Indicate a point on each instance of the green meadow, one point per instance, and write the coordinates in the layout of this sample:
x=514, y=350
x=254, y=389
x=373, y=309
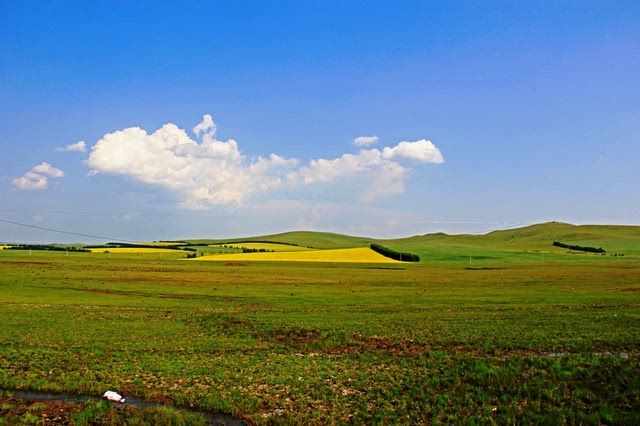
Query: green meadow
x=491, y=329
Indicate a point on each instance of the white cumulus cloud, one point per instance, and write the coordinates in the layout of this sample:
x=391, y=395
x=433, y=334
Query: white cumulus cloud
x=365, y=140
x=48, y=170
x=210, y=172
x=78, y=146
x=384, y=177
x=38, y=177
x=422, y=151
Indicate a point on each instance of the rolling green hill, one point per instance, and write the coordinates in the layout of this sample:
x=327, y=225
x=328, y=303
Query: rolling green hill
x=318, y=240
x=517, y=244
x=523, y=242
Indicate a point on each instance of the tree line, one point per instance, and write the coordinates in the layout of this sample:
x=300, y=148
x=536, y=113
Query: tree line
x=396, y=255
x=127, y=245
x=579, y=248
x=259, y=241
x=46, y=247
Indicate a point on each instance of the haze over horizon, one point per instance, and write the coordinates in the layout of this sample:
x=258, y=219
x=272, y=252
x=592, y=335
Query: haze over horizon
x=144, y=121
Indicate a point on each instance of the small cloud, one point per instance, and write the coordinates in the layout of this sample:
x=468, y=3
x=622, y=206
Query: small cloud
x=207, y=126
x=31, y=182
x=422, y=151
x=37, y=218
x=365, y=140
x=36, y=178
x=48, y=169
x=78, y=146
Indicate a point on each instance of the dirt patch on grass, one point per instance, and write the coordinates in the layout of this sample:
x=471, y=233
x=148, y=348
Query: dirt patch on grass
x=196, y=296
x=381, y=267
x=380, y=344
x=235, y=264
x=22, y=262
x=297, y=337
x=160, y=295
x=115, y=292
x=160, y=399
x=483, y=269
x=632, y=289
x=312, y=341
x=49, y=412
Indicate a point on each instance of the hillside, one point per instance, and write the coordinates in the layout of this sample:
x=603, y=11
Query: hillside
x=516, y=242
x=519, y=242
x=318, y=240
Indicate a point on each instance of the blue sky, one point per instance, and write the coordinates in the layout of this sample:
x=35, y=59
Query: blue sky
x=487, y=115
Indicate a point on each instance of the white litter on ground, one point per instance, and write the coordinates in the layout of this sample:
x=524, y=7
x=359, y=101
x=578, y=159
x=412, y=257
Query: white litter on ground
x=113, y=396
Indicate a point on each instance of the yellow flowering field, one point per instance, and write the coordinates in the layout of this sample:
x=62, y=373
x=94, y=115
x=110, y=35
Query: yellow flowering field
x=350, y=255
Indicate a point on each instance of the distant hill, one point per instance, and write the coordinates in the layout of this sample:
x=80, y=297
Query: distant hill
x=615, y=239
x=318, y=240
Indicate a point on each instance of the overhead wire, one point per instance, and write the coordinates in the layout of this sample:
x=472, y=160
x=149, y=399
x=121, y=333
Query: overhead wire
x=100, y=237
x=66, y=232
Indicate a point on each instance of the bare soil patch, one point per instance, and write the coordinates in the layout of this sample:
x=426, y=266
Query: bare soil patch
x=50, y=412
x=380, y=344
x=483, y=269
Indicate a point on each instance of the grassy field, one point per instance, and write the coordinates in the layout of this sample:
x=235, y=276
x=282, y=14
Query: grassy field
x=506, y=338
x=269, y=247
x=316, y=240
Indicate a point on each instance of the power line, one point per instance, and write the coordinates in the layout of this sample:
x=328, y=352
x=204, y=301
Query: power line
x=66, y=232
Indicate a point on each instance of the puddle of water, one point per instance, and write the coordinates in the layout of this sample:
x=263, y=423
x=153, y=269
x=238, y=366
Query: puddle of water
x=217, y=419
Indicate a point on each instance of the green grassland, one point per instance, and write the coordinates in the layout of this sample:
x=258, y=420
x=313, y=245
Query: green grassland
x=506, y=338
x=517, y=244
x=535, y=238
x=317, y=240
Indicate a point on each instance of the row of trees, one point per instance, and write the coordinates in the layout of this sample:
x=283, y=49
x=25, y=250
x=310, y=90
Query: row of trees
x=260, y=241
x=127, y=245
x=46, y=247
x=579, y=248
x=255, y=250
x=396, y=255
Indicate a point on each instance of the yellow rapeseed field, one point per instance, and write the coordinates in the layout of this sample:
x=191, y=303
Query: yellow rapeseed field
x=4, y=247
x=124, y=250
x=266, y=246
x=350, y=255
